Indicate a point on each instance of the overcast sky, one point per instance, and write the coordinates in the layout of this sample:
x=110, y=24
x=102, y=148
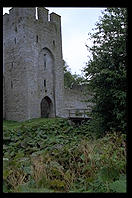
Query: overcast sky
x=76, y=24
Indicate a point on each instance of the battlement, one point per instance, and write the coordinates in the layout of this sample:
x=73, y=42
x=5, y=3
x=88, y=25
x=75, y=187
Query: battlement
x=5, y=19
x=22, y=12
x=17, y=14
x=55, y=17
x=43, y=16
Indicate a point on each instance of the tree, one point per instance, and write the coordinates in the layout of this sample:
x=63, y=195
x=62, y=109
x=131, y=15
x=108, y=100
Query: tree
x=106, y=70
x=69, y=78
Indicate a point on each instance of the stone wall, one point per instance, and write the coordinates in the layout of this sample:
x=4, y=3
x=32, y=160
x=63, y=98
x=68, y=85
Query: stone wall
x=3, y=98
x=16, y=100
x=33, y=66
x=26, y=40
x=75, y=99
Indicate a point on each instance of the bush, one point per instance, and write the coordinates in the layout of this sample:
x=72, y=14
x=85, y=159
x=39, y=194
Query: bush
x=53, y=156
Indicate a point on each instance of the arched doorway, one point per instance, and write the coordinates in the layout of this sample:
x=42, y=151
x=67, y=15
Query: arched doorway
x=46, y=107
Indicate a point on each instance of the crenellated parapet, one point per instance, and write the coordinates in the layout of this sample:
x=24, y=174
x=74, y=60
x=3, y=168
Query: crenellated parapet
x=17, y=14
x=22, y=12
x=42, y=14
x=55, y=18
x=5, y=19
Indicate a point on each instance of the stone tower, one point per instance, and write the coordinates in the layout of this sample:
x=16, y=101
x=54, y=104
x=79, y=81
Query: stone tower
x=33, y=70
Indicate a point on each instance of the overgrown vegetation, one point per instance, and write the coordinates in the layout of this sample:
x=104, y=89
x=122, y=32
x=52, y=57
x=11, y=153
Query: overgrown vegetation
x=106, y=70
x=50, y=155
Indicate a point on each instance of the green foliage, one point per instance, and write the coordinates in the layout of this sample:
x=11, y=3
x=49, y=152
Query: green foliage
x=109, y=174
x=119, y=185
x=106, y=70
x=49, y=155
x=71, y=79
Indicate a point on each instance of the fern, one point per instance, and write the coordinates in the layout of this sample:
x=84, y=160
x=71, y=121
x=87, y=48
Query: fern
x=119, y=185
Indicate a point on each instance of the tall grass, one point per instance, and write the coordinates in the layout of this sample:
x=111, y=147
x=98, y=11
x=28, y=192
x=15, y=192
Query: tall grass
x=49, y=155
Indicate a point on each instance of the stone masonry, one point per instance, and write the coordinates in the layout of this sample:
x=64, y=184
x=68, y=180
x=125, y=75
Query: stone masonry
x=33, y=78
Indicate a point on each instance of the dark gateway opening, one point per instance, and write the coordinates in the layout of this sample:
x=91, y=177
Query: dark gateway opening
x=46, y=105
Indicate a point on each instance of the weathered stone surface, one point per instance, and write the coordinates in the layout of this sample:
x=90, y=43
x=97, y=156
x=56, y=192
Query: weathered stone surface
x=75, y=99
x=33, y=69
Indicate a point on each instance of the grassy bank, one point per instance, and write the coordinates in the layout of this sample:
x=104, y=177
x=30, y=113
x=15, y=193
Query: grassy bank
x=50, y=155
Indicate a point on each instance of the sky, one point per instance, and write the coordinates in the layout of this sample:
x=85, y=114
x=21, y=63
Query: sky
x=76, y=24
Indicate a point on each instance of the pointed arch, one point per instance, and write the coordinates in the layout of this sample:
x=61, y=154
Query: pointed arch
x=46, y=107
x=46, y=49
x=46, y=60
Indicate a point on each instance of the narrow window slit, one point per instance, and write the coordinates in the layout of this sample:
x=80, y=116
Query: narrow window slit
x=37, y=38
x=11, y=84
x=53, y=43
x=44, y=61
x=44, y=83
